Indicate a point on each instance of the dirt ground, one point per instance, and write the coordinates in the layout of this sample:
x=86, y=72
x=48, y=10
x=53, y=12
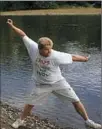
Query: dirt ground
x=64, y=11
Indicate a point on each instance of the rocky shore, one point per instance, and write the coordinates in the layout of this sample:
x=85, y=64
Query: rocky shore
x=9, y=114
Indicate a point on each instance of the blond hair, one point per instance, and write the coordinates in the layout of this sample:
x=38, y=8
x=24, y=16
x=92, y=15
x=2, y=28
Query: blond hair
x=47, y=42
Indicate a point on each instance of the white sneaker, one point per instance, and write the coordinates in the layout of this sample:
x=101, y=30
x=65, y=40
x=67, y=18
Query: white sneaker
x=92, y=124
x=18, y=123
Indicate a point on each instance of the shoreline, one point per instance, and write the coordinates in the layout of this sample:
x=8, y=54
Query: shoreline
x=62, y=11
x=9, y=114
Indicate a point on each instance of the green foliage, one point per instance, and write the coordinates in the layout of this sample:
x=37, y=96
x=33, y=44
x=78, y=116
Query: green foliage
x=24, y=5
x=44, y=4
x=97, y=4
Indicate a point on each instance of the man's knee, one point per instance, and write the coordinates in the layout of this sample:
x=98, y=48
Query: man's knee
x=29, y=106
x=76, y=103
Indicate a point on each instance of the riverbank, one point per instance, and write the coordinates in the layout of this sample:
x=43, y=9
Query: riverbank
x=63, y=11
x=9, y=114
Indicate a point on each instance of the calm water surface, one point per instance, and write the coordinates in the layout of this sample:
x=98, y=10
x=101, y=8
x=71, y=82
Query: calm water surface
x=71, y=34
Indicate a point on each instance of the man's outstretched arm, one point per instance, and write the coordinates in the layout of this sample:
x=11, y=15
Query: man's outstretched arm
x=17, y=30
x=80, y=58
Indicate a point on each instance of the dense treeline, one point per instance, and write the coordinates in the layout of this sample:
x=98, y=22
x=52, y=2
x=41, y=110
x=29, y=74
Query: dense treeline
x=24, y=5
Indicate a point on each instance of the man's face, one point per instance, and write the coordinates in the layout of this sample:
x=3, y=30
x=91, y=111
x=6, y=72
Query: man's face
x=45, y=52
x=44, y=48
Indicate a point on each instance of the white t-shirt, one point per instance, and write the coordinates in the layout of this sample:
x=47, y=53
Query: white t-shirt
x=46, y=69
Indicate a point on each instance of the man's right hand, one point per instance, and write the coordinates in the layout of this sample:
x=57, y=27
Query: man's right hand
x=16, y=29
x=10, y=22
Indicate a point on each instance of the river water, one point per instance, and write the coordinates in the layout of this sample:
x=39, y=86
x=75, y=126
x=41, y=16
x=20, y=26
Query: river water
x=79, y=34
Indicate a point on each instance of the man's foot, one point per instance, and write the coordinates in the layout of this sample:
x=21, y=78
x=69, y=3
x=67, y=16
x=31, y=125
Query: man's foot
x=92, y=124
x=18, y=123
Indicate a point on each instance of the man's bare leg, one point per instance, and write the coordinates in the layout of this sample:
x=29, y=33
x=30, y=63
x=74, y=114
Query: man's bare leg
x=26, y=111
x=81, y=110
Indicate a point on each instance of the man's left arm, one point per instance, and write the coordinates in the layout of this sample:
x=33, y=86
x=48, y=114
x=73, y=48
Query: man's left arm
x=80, y=58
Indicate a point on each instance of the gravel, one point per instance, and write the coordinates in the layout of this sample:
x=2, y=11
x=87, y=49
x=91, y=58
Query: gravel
x=9, y=114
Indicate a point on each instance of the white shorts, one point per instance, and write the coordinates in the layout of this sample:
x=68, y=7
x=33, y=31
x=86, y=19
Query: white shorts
x=61, y=89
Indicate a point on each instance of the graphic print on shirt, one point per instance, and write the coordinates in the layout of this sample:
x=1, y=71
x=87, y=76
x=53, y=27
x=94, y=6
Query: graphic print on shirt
x=42, y=67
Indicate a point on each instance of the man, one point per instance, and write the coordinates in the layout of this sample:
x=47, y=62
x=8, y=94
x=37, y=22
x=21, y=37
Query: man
x=47, y=76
